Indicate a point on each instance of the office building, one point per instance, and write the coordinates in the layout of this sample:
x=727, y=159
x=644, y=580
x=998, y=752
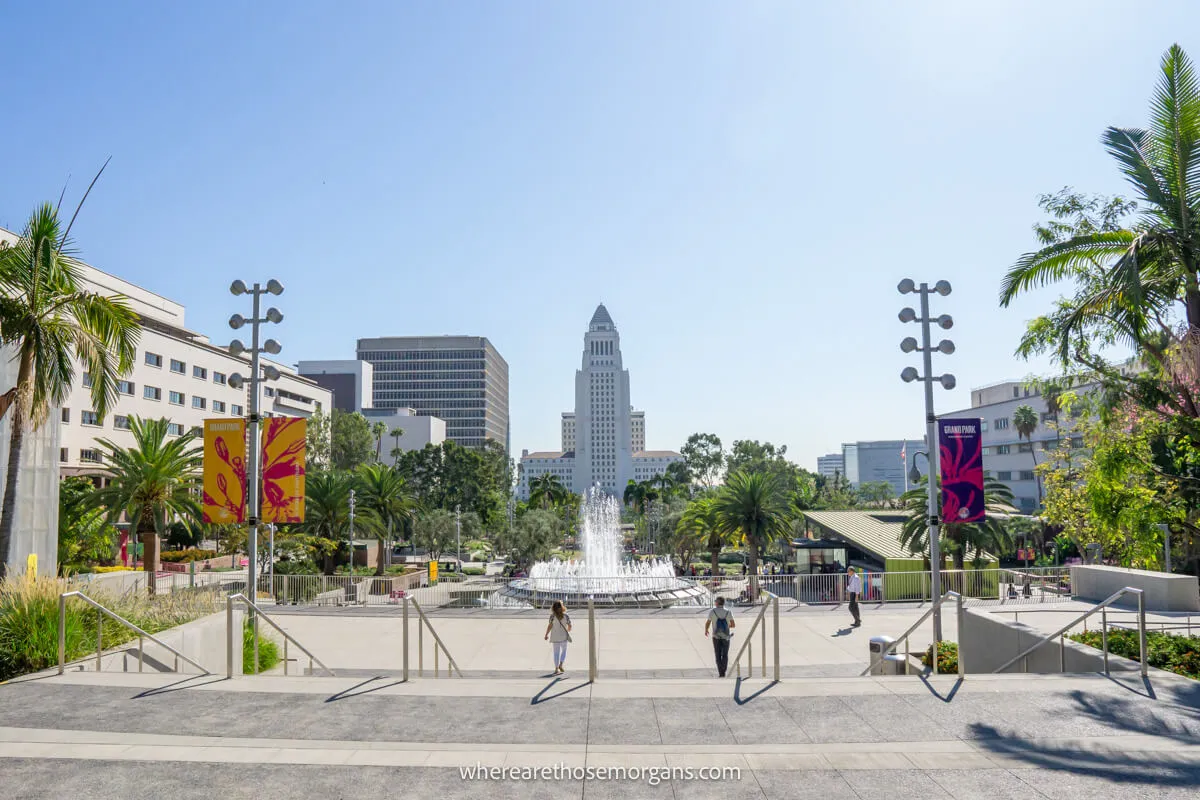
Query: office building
x=460, y=379
x=416, y=430
x=876, y=461
x=349, y=380
x=830, y=465
x=604, y=438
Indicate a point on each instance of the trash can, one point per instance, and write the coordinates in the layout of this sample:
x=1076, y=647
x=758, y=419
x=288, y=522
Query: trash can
x=877, y=646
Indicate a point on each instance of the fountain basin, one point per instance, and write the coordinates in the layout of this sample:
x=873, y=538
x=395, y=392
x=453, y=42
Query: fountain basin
x=607, y=593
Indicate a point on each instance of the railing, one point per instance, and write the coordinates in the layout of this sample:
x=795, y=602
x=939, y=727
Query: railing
x=760, y=624
x=422, y=623
x=258, y=614
x=891, y=648
x=101, y=613
x=1101, y=607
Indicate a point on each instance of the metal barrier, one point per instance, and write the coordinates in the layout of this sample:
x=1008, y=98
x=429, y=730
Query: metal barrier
x=760, y=625
x=102, y=612
x=437, y=643
x=891, y=648
x=1060, y=634
x=287, y=637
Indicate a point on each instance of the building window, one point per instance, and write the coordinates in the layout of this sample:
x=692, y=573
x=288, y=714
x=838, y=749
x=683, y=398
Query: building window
x=1025, y=447
x=269, y=392
x=87, y=380
x=983, y=426
x=1076, y=442
x=121, y=422
x=152, y=393
x=197, y=430
x=174, y=429
x=178, y=366
x=200, y=372
x=90, y=456
x=89, y=418
x=66, y=415
x=125, y=387
x=1003, y=449
x=153, y=360
x=198, y=402
x=175, y=398
x=1002, y=424
x=236, y=410
x=1004, y=475
x=219, y=407
x=219, y=377
x=1026, y=475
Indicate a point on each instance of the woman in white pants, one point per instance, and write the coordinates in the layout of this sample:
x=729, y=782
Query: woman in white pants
x=558, y=632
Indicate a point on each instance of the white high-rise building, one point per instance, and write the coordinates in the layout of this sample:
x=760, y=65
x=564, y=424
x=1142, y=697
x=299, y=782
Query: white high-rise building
x=603, y=439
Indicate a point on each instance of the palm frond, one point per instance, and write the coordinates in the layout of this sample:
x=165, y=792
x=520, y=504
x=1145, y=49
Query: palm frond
x=1063, y=260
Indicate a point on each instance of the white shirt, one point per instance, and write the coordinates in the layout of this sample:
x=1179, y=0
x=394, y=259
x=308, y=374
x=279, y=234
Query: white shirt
x=854, y=584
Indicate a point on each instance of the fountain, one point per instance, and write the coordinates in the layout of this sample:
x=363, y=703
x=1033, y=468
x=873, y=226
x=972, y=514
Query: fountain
x=602, y=575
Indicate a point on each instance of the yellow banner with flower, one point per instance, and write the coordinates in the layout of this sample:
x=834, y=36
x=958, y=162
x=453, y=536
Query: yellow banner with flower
x=283, y=457
x=224, y=470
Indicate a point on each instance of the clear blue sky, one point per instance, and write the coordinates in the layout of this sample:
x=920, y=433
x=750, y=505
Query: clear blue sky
x=743, y=184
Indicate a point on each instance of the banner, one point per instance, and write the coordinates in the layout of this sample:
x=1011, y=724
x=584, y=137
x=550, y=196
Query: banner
x=224, y=470
x=960, y=448
x=283, y=455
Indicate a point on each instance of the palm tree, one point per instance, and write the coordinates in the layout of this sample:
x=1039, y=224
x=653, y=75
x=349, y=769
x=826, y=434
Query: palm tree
x=1131, y=280
x=396, y=434
x=327, y=513
x=383, y=491
x=546, y=491
x=665, y=484
x=52, y=323
x=700, y=517
x=1025, y=420
x=988, y=535
x=379, y=430
x=754, y=506
x=152, y=483
x=639, y=493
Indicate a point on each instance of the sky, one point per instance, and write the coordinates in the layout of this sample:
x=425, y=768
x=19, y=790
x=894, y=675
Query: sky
x=742, y=184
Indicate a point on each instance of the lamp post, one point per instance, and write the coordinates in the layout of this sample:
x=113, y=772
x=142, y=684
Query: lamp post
x=458, y=538
x=256, y=377
x=910, y=374
x=350, y=534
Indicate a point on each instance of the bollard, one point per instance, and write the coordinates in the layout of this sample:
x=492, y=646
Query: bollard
x=62, y=634
x=775, y=615
x=404, y=637
x=592, y=666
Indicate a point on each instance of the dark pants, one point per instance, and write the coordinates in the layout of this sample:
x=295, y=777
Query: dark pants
x=721, y=650
x=854, y=608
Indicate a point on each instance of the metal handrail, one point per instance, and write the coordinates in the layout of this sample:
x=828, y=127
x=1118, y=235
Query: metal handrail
x=62, y=635
x=287, y=637
x=1102, y=607
x=748, y=643
x=887, y=651
x=421, y=618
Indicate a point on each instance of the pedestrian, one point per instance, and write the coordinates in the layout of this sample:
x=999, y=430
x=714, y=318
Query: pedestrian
x=854, y=589
x=558, y=632
x=720, y=620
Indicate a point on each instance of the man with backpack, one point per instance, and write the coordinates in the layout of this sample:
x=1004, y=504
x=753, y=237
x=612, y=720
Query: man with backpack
x=720, y=620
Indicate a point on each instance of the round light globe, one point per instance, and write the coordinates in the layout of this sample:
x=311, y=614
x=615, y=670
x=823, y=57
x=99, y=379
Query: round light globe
x=909, y=344
x=906, y=286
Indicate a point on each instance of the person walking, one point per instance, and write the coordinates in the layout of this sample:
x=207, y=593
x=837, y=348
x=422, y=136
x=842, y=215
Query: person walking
x=720, y=621
x=853, y=590
x=558, y=632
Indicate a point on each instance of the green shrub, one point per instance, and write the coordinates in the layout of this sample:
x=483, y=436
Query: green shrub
x=947, y=657
x=1178, y=654
x=186, y=556
x=296, y=568
x=473, y=570
x=268, y=651
x=118, y=568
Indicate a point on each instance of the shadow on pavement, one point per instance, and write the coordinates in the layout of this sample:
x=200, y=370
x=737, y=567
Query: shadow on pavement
x=737, y=692
x=346, y=694
x=181, y=685
x=1171, y=713
x=542, y=697
x=949, y=696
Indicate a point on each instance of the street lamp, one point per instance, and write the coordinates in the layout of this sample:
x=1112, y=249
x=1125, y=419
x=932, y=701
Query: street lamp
x=458, y=538
x=910, y=374
x=256, y=377
x=351, y=535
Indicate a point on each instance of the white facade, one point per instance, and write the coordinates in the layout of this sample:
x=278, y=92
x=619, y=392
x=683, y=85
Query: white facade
x=351, y=381
x=419, y=431
x=603, y=439
x=830, y=465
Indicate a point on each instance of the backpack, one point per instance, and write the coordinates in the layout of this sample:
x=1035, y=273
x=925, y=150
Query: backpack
x=721, y=629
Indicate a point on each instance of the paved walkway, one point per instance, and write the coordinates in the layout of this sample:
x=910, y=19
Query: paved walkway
x=132, y=736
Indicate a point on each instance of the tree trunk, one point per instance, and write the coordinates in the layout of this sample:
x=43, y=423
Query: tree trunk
x=150, y=561
x=379, y=554
x=753, y=587
x=8, y=508
x=716, y=562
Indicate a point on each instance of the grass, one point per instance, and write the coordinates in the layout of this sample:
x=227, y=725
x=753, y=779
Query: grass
x=1178, y=654
x=29, y=620
x=268, y=651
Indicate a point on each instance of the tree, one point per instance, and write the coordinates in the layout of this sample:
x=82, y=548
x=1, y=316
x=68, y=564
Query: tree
x=434, y=532
x=638, y=494
x=84, y=535
x=703, y=457
x=449, y=475
x=382, y=490
x=52, y=323
x=1025, y=420
x=681, y=477
x=153, y=483
x=754, y=506
x=396, y=433
x=957, y=538
x=327, y=514
x=701, y=520
x=316, y=438
x=379, y=430
x=350, y=440
x=876, y=493
x=533, y=537
x=546, y=491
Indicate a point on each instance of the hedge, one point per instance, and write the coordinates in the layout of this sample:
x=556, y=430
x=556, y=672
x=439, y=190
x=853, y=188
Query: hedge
x=1178, y=654
x=185, y=556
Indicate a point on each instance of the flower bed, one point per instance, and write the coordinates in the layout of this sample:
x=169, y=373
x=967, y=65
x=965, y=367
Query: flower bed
x=1178, y=654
